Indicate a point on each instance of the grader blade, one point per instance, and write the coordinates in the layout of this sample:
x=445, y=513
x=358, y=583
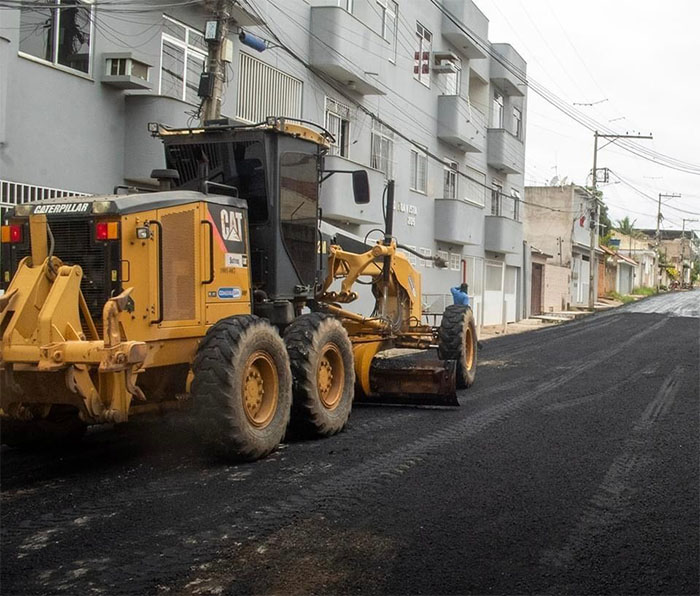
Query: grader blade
x=413, y=377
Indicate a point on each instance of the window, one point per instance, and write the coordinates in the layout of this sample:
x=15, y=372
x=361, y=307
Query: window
x=266, y=91
x=428, y=261
x=338, y=124
x=450, y=78
x=421, y=65
x=450, y=179
x=494, y=278
x=419, y=171
x=516, y=204
x=182, y=59
x=444, y=255
x=496, y=193
x=58, y=31
x=299, y=212
x=382, y=157
x=388, y=12
x=497, y=112
x=455, y=261
x=475, y=186
x=517, y=122
x=411, y=257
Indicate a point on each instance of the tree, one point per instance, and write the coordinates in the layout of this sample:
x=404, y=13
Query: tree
x=605, y=226
x=626, y=227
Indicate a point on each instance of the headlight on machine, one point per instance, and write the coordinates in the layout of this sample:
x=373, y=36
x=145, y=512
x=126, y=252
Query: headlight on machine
x=102, y=206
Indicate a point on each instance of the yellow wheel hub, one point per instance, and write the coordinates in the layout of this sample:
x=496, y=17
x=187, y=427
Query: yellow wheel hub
x=330, y=376
x=260, y=389
x=469, y=348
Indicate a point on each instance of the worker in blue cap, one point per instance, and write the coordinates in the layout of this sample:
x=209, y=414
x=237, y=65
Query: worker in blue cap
x=460, y=294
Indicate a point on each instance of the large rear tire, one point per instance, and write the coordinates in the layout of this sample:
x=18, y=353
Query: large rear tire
x=61, y=428
x=457, y=341
x=320, y=354
x=242, y=388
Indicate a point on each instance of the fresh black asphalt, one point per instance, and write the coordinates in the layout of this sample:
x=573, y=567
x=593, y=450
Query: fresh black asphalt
x=571, y=467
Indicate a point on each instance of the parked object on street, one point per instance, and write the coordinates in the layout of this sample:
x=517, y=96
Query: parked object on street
x=120, y=305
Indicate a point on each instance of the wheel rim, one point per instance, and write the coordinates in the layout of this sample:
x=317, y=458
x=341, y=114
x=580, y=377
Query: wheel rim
x=330, y=376
x=469, y=347
x=260, y=389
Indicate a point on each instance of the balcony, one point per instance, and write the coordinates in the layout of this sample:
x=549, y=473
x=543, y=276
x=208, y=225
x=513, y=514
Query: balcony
x=472, y=19
x=458, y=222
x=337, y=201
x=345, y=49
x=505, y=152
x=460, y=125
x=503, y=235
x=504, y=74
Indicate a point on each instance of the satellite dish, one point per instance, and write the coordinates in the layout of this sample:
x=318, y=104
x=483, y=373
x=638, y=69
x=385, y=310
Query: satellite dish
x=554, y=181
x=564, y=181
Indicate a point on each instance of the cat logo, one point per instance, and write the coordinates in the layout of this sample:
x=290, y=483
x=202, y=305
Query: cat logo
x=231, y=224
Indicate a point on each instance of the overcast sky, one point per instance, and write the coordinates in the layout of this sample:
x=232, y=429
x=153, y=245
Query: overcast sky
x=643, y=58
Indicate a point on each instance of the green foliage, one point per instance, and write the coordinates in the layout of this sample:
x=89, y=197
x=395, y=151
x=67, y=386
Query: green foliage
x=644, y=291
x=605, y=228
x=619, y=297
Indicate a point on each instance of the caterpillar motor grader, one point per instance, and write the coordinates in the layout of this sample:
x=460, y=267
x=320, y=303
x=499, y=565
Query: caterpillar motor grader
x=222, y=291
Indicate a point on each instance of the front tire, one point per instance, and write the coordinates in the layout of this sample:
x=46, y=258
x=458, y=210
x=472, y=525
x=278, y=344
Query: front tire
x=242, y=388
x=457, y=341
x=321, y=358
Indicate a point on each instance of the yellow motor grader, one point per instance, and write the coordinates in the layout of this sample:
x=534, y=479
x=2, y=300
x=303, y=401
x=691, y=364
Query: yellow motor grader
x=218, y=292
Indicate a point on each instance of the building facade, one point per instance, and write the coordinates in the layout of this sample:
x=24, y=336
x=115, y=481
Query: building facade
x=411, y=91
x=678, y=251
x=557, y=221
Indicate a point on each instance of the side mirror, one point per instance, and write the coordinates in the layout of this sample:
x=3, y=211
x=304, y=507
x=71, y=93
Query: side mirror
x=360, y=187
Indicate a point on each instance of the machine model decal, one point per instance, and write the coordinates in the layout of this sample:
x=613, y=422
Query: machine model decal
x=230, y=228
x=229, y=293
x=62, y=208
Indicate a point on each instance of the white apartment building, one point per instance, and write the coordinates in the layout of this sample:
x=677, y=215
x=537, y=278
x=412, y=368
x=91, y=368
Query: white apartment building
x=412, y=91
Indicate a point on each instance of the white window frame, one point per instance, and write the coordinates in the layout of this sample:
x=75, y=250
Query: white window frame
x=382, y=149
x=515, y=193
x=497, y=109
x=419, y=171
x=412, y=259
x=389, y=18
x=428, y=261
x=496, y=197
x=421, y=59
x=455, y=261
x=338, y=124
x=450, y=179
x=56, y=12
x=188, y=50
x=452, y=81
x=517, y=122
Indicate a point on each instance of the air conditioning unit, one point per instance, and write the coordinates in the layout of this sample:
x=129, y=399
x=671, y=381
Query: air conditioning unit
x=446, y=62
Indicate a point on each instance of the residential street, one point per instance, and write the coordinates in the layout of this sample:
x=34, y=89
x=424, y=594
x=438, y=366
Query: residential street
x=571, y=467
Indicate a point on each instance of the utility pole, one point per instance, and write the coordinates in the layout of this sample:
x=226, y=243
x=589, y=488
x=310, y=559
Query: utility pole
x=592, y=265
x=212, y=83
x=658, y=234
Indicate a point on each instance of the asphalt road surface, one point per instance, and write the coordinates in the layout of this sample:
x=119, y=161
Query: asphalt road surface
x=571, y=467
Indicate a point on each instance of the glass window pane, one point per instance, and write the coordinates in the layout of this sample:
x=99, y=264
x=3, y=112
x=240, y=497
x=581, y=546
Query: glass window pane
x=195, y=67
x=174, y=29
x=197, y=40
x=172, y=70
x=36, y=32
x=74, y=35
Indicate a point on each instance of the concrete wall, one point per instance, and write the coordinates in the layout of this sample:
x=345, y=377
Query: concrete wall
x=70, y=130
x=556, y=288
